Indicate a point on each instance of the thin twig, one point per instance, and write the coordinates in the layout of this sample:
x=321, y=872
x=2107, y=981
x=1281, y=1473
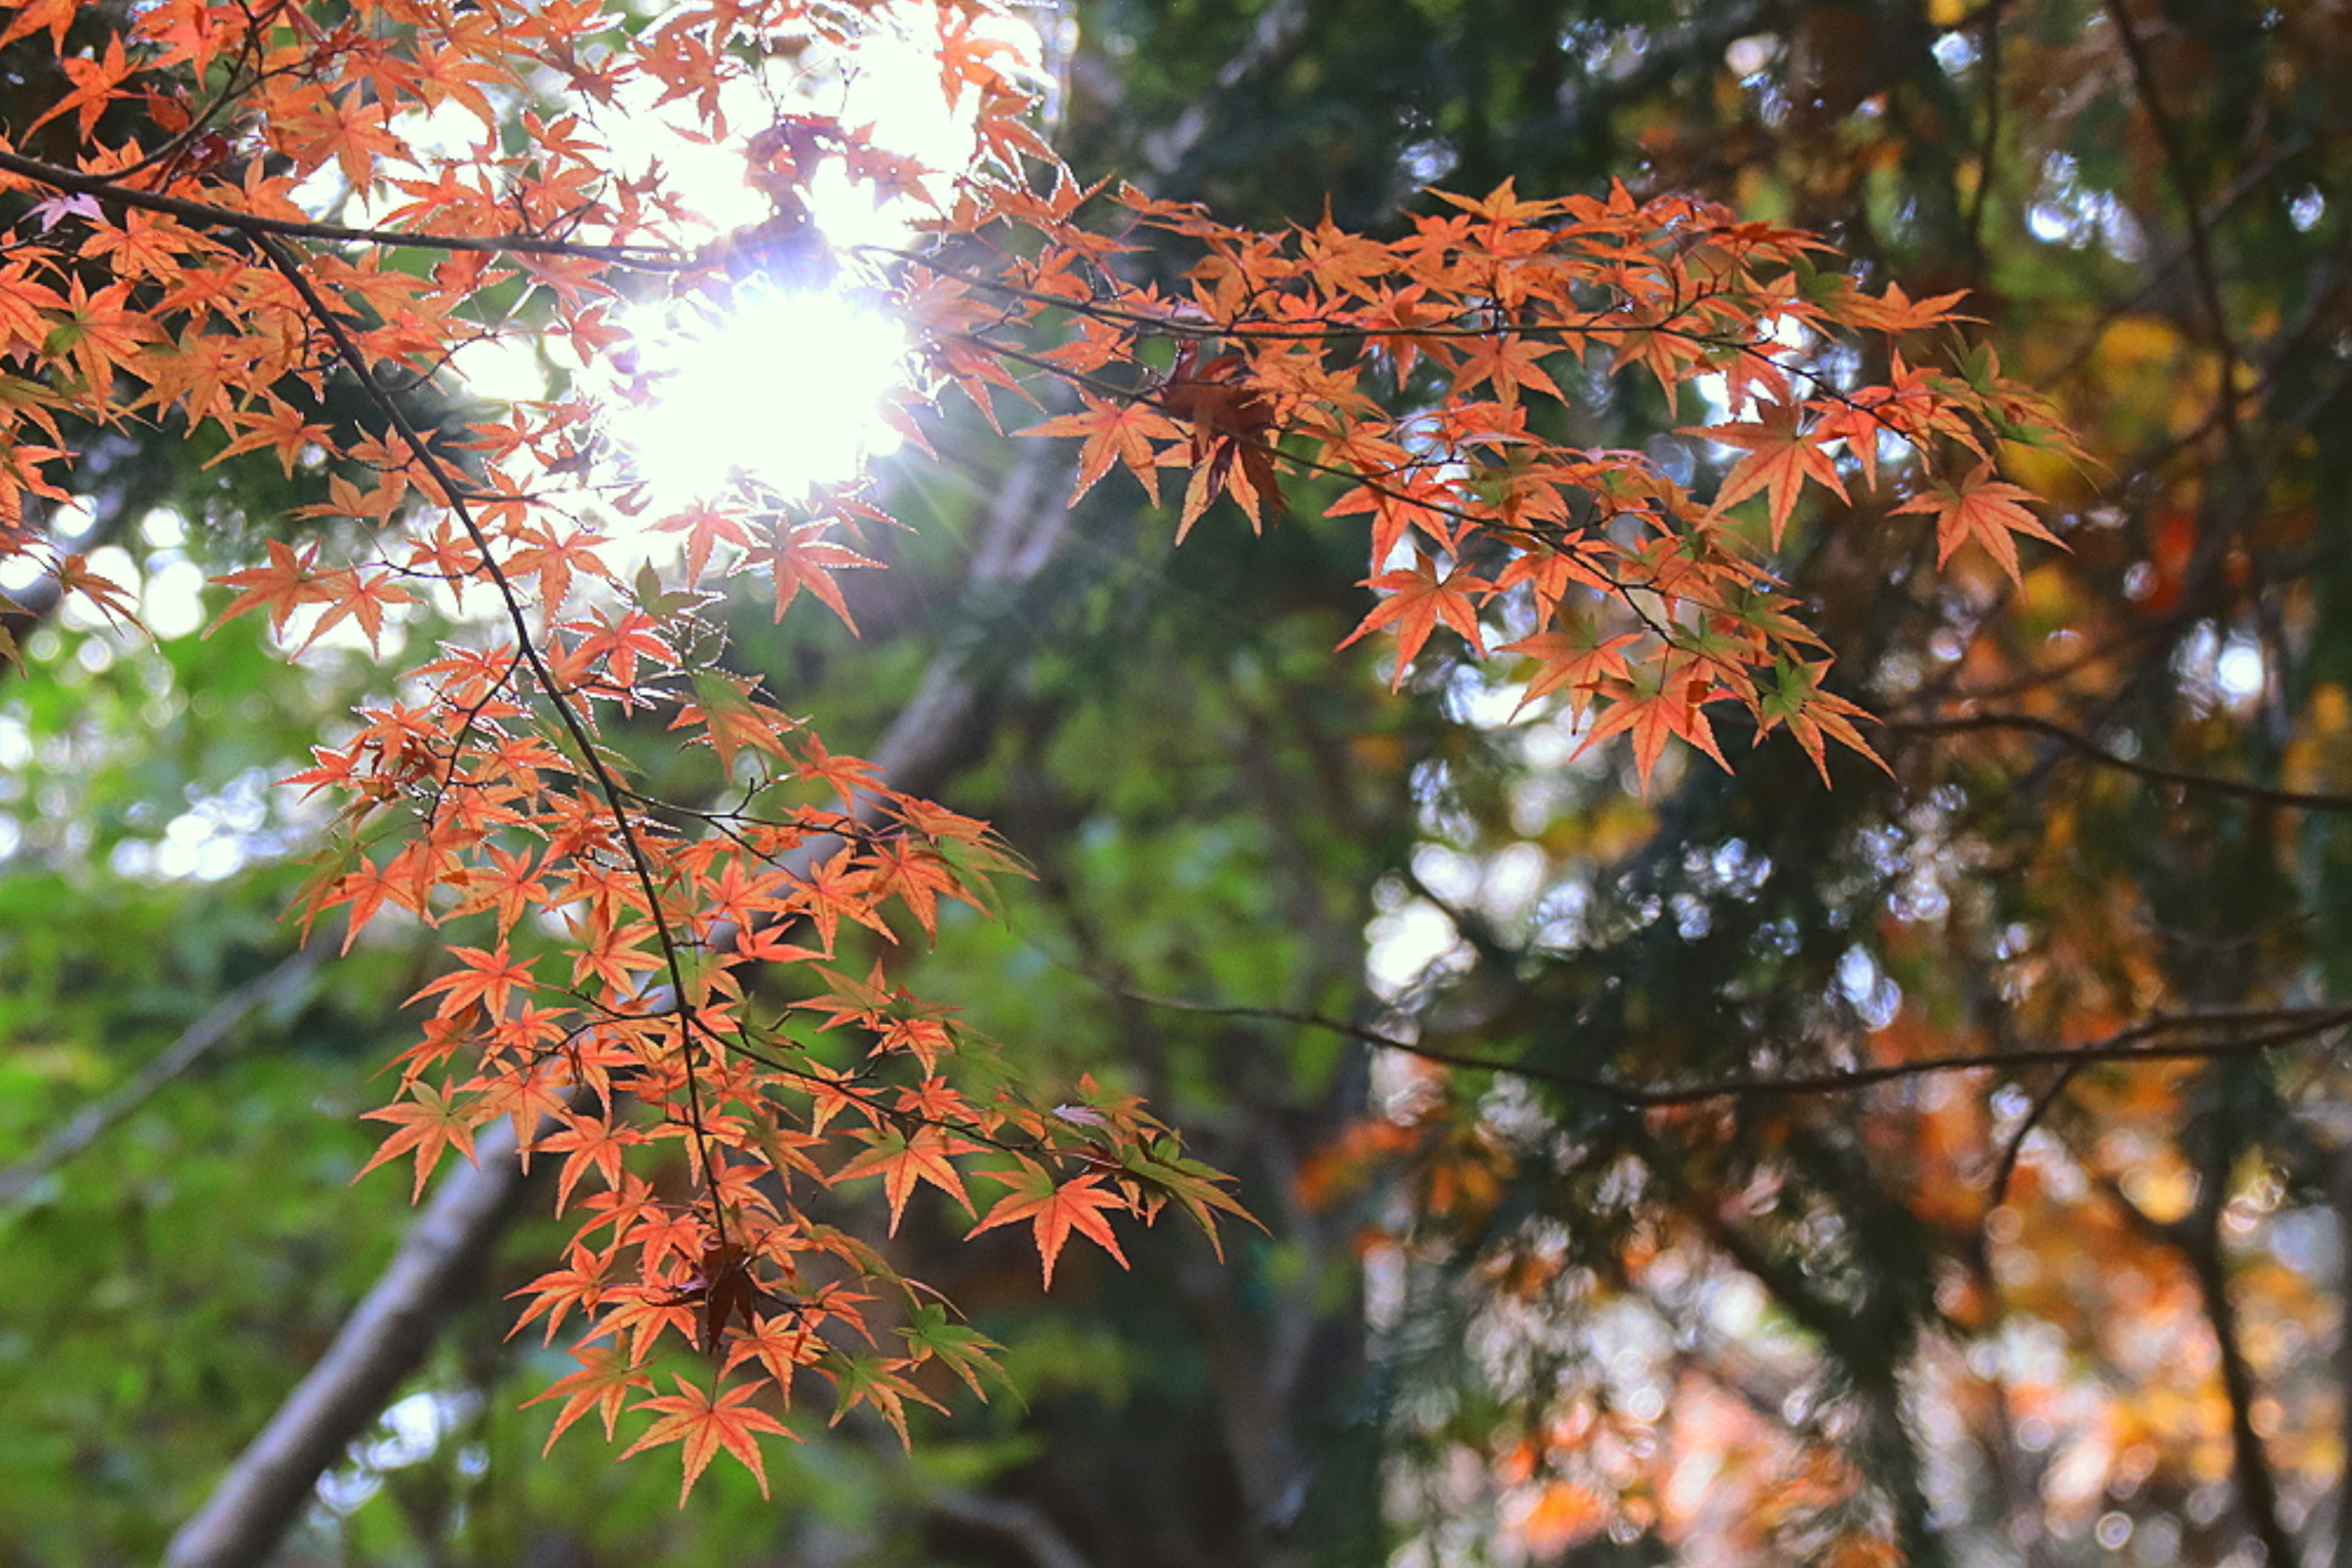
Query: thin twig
x=93, y=1121
x=2200, y=250
x=2075, y=740
x=2015, y=1147
x=2271, y=1027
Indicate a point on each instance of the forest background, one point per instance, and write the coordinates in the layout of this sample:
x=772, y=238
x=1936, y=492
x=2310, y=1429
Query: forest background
x=2055, y=1308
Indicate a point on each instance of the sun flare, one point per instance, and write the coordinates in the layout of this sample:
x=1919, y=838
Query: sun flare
x=781, y=388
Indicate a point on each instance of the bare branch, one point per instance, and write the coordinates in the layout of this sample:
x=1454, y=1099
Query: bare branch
x=2076, y=741
x=1023, y=1524
x=93, y=1121
x=2200, y=250
x=2042, y=1102
x=2229, y=1032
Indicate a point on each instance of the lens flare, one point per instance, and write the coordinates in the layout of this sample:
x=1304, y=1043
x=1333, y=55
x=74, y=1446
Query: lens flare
x=781, y=388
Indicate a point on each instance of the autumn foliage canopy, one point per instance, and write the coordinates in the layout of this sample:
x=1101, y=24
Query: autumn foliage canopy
x=239, y=219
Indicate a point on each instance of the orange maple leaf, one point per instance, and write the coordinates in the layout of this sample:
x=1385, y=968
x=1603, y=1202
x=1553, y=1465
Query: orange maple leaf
x=1780, y=457
x=1988, y=510
x=704, y=1423
x=602, y=1382
x=284, y=585
x=1053, y=1211
x=1121, y=432
x=901, y=1161
x=1674, y=708
x=1417, y=601
x=428, y=1121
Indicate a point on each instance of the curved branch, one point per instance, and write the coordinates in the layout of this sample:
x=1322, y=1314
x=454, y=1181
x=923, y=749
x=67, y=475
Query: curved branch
x=381, y=1343
x=2243, y=1031
x=2074, y=740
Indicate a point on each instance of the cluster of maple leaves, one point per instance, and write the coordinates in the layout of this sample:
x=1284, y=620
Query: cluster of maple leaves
x=162, y=270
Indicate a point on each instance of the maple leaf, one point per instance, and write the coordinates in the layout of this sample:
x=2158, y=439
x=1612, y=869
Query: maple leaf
x=32, y=16
x=1780, y=457
x=647, y=1313
x=733, y=718
x=1653, y=712
x=781, y=1344
x=798, y=556
x=364, y=598
x=287, y=583
x=489, y=977
x=1114, y=432
x=1581, y=660
x=1509, y=362
x=579, y=1283
x=965, y=1352
x=875, y=1381
x=1162, y=1171
x=1417, y=601
x=703, y=1423
x=429, y=1121
x=1812, y=715
x=94, y=84
x=901, y=1160
x=1980, y=508
x=1054, y=1210
x=110, y=598
x=279, y=426
x=603, y=1383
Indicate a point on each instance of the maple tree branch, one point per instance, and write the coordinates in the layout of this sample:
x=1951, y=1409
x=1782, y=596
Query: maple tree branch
x=389, y=1332
x=384, y=1341
x=2339, y=1203
x=2196, y=1236
x=2014, y=1149
x=651, y=259
x=1988, y=21
x=93, y=1121
x=2263, y=1029
x=2075, y=740
x=1018, y=1522
x=641, y=866
x=2257, y=1483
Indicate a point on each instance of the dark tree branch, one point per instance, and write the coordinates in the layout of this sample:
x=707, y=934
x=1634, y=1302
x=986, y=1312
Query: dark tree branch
x=1023, y=1524
x=2197, y=1238
x=2339, y=1199
x=2042, y=1105
x=379, y=1345
x=644, y=257
x=2074, y=740
x=2230, y=1031
x=2201, y=249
